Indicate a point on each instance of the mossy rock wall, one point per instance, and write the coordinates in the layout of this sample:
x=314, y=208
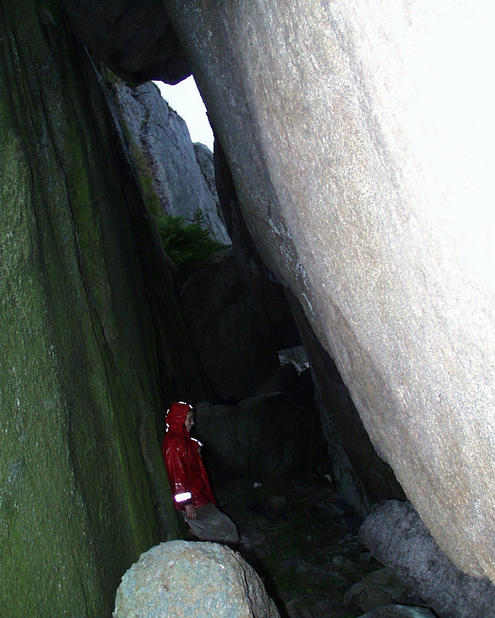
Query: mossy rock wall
x=79, y=383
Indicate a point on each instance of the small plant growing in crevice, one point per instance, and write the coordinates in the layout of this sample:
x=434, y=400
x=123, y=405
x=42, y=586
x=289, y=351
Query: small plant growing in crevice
x=151, y=199
x=187, y=245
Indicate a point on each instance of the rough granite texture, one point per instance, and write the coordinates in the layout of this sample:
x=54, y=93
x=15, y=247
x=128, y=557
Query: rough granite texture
x=397, y=537
x=363, y=166
x=165, y=147
x=192, y=579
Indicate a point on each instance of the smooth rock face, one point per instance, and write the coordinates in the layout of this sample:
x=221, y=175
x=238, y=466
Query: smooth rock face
x=165, y=147
x=397, y=537
x=192, y=580
x=369, y=195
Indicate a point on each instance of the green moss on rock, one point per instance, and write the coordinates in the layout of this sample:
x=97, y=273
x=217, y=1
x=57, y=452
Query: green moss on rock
x=79, y=461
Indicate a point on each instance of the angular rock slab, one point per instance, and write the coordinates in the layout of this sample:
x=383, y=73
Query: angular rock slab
x=181, y=578
x=396, y=536
x=229, y=332
x=261, y=437
x=377, y=589
x=369, y=196
x=171, y=159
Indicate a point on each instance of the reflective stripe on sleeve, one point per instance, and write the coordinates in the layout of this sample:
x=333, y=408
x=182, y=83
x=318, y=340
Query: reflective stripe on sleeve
x=183, y=497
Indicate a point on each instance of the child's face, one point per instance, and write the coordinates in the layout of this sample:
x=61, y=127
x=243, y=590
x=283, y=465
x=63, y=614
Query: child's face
x=189, y=422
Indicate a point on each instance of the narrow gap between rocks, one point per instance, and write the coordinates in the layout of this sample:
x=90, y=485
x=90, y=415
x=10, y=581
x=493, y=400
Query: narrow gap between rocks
x=273, y=413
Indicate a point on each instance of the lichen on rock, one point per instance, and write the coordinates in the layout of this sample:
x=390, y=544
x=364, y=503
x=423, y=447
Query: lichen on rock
x=192, y=579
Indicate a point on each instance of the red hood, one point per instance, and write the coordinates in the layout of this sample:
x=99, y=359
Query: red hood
x=176, y=414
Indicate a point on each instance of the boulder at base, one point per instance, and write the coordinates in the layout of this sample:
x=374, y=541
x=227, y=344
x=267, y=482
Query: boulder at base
x=377, y=589
x=181, y=578
x=397, y=537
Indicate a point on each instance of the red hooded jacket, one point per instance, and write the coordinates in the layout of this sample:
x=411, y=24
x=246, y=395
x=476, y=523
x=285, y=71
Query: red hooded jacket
x=185, y=469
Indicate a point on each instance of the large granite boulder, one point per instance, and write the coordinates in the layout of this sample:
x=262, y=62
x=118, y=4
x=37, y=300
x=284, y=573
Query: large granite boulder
x=134, y=38
x=229, y=331
x=366, y=192
x=261, y=437
x=160, y=142
x=396, y=536
x=192, y=580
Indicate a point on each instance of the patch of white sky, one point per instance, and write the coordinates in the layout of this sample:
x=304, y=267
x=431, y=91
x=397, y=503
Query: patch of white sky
x=185, y=99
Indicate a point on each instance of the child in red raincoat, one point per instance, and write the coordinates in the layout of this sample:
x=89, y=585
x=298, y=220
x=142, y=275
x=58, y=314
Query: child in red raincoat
x=188, y=479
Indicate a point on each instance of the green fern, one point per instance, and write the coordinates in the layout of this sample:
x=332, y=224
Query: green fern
x=187, y=245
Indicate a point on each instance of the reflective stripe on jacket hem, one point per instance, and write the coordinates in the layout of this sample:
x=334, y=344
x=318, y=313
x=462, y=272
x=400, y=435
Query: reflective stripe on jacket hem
x=183, y=496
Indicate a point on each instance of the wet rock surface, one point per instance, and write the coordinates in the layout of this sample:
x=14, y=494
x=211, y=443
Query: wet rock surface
x=302, y=539
x=82, y=486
